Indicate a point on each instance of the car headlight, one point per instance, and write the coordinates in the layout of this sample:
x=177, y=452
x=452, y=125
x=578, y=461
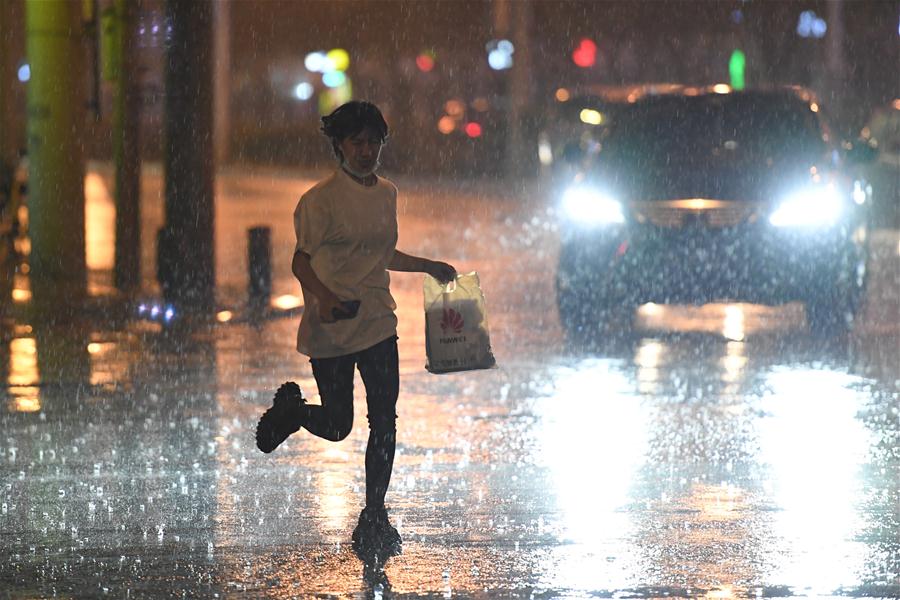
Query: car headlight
x=815, y=206
x=591, y=206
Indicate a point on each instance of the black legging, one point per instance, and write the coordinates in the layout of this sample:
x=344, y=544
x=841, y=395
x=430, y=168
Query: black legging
x=380, y=371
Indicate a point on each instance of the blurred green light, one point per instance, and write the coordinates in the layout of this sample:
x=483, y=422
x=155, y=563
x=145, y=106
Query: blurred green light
x=334, y=79
x=737, y=68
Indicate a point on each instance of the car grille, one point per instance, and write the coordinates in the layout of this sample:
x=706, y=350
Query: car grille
x=696, y=211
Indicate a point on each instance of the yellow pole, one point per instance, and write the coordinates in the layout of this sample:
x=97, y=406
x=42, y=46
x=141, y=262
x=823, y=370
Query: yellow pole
x=55, y=155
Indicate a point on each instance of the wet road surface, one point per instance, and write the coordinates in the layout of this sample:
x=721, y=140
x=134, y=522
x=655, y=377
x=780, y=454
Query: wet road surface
x=715, y=452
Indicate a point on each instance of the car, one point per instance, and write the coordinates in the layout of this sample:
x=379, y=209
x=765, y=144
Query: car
x=882, y=134
x=579, y=115
x=707, y=194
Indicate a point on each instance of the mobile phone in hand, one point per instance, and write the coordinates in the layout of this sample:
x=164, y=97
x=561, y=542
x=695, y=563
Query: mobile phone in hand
x=351, y=307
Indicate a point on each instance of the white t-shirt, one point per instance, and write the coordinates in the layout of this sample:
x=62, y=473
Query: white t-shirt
x=350, y=232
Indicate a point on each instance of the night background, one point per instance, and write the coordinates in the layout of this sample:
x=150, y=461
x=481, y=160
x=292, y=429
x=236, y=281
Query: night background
x=685, y=220
x=637, y=42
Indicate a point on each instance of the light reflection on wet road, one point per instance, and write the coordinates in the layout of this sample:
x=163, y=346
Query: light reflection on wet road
x=719, y=451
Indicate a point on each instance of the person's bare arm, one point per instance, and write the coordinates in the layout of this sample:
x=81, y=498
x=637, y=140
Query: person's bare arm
x=416, y=264
x=327, y=299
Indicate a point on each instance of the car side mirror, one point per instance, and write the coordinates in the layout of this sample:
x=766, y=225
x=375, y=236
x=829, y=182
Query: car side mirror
x=860, y=153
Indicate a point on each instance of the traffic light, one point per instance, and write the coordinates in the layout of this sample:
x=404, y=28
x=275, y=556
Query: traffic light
x=737, y=69
x=585, y=54
x=425, y=61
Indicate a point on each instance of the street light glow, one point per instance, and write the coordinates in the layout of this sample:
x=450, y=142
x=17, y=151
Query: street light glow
x=303, y=91
x=338, y=59
x=500, y=54
x=446, y=125
x=316, y=62
x=590, y=116
x=286, y=302
x=811, y=25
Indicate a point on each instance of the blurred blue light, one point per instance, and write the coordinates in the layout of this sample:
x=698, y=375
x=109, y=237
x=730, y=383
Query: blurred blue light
x=506, y=46
x=499, y=60
x=24, y=73
x=170, y=312
x=811, y=25
x=500, y=54
x=737, y=15
x=142, y=308
x=334, y=79
x=303, y=91
x=804, y=25
x=819, y=27
x=154, y=311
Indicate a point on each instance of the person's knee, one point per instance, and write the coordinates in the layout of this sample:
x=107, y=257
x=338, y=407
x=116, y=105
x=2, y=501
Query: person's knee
x=341, y=429
x=341, y=433
x=383, y=424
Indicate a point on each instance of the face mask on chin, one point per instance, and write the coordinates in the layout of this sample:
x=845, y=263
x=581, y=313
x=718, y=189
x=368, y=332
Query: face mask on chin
x=359, y=174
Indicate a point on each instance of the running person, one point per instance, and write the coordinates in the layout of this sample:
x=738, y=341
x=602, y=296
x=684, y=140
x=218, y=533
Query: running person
x=346, y=228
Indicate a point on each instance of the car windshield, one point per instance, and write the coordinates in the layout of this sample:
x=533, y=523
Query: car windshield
x=725, y=127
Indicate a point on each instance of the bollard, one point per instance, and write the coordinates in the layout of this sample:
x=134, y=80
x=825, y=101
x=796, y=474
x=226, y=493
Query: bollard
x=260, y=263
x=165, y=261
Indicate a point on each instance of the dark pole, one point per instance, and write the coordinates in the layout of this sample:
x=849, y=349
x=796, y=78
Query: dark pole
x=836, y=61
x=6, y=82
x=521, y=84
x=187, y=240
x=126, y=152
x=259, y=255
x=222, y=82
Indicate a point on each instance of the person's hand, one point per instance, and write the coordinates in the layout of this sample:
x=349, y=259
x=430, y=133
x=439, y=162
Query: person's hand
x=441, y=271
x=327, y=304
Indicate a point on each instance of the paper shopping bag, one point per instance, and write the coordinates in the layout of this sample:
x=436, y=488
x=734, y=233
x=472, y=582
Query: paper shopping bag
x=456, y=327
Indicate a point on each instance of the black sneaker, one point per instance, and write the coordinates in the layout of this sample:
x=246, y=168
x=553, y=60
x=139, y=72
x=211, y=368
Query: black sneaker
x=375, y=534
x=282, y=419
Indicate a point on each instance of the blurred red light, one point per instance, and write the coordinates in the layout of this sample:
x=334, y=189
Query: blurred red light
x=473, y=130
x=424, y=62
x=585, y=55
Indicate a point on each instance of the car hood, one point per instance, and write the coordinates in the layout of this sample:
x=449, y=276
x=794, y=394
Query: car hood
x=751, y=181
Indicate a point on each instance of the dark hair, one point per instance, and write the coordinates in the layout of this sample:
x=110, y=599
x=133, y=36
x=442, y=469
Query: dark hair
x=349, y=119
